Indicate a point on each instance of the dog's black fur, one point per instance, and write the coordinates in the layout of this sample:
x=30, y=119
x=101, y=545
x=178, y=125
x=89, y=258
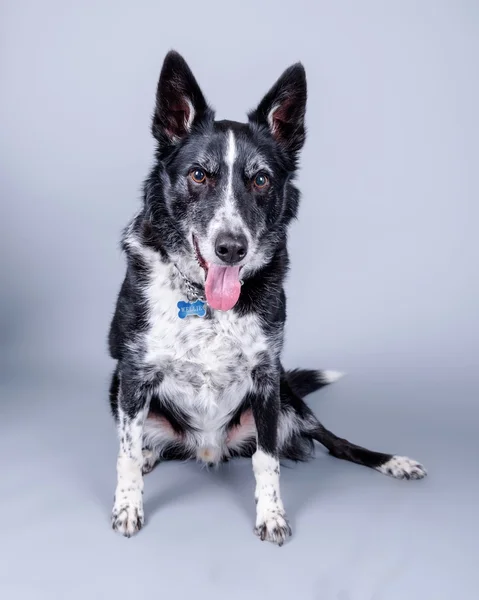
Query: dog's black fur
x=178, y=226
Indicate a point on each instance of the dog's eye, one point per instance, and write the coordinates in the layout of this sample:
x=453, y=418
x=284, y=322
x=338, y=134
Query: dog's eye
x=198, y=175
x=261, y=181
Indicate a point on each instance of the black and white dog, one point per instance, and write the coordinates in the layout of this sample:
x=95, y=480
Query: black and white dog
x=198, y=328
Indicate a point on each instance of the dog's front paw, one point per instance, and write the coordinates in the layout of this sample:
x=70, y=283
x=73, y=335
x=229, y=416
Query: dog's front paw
x=273, y=528
x=127, y=518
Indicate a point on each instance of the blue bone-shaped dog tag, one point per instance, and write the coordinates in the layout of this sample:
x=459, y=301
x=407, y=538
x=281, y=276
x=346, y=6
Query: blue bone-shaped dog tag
x=188, y=309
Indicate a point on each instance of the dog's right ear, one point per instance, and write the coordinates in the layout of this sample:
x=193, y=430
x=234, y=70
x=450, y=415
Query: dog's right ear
x=180, y=103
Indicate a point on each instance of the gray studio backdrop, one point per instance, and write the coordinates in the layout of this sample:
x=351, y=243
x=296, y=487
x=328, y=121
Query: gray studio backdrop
x=384, y=282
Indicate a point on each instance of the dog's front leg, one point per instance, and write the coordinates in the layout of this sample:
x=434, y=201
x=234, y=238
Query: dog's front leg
x=133, y=402
x=271, y=521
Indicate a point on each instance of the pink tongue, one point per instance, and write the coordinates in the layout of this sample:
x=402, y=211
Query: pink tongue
x=222, y=287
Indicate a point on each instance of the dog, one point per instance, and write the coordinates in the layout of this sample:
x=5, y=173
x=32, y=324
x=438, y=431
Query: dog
x=197, y=333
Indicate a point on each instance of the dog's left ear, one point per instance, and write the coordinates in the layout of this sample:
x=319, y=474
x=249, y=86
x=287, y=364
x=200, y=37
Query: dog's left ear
x=180, y=103
x=283, y=109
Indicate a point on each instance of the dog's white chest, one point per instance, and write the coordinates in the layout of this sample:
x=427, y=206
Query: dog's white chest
x=205, y=364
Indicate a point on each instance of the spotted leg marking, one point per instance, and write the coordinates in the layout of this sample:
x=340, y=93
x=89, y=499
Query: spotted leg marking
x=271, y=522
x=127, y=516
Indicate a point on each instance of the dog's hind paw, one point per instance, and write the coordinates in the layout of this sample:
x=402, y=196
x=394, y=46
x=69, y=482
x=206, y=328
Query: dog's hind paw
x=402, y=467
x=274, y=529
x=150, y=460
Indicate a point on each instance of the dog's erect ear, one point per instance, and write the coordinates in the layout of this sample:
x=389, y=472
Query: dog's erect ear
x=179, y=101
x=283, y=108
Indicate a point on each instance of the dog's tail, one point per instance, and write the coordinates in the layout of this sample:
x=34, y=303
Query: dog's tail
x=307, y=381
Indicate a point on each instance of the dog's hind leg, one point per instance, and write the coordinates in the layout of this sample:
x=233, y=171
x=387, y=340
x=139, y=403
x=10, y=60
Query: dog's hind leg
x=400, y=467
x=150, y=459
x=299, y=427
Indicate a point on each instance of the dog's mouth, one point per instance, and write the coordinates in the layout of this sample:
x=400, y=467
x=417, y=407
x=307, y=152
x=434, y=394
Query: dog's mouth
x=222, y=285
x=199, y=257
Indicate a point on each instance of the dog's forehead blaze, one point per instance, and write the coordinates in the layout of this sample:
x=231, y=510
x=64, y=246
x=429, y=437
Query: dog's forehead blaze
x=239, y=148
x=227, y=146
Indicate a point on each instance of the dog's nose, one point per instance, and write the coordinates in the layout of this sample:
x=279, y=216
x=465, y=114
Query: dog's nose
x=231, y=248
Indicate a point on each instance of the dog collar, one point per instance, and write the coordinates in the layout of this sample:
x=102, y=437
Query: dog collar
x=194, y=291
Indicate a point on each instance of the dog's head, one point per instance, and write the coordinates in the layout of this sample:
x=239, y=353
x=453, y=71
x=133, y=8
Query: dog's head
x=226, y=187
